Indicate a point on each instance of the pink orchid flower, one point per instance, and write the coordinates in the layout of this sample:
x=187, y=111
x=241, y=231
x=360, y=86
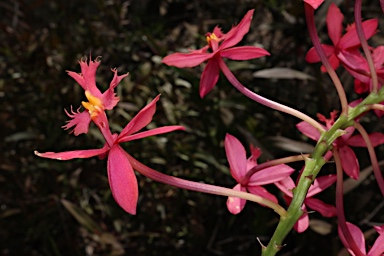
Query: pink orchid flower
x=357, y=235
x=314, y=3
x=320, y=184
x=105, y=101
x=348, y=42
x=240, y=165
x=358, y=67
x=122, y=179
x=219, y=46
x=349, y=160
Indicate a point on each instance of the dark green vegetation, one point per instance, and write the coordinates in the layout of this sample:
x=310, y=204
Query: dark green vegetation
x=65, y=208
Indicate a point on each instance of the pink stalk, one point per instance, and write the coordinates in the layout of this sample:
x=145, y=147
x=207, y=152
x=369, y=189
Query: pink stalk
x=372, y=155
x=340, y=206
x=364, y=45
x=376, y=106
x=309, y=15
x=266, y=102
x=200, y=187
x=284, y=160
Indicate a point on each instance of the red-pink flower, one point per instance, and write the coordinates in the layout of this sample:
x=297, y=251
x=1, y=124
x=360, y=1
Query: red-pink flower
x=348, y=42
x=320, y=184
x=122, y=179
x=240, y=165
x=348, y=157
x=87, y=80
x=220, y=45
x=358, y=236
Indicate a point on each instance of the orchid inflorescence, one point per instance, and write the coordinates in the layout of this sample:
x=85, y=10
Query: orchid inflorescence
x=334, y=137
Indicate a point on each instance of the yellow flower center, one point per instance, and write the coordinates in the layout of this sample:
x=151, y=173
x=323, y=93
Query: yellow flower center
x=212, y=37
x=94, y=106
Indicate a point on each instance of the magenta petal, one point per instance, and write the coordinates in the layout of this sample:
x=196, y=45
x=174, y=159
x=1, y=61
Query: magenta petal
x=376, y=138
x=209, y=77
x=142, y=119
x=109, y=97
x=350, y=39
x=243, y=53
x=149, y=133
x=320, y=184
x=303, y=222
x=378, y=246
x=334, y=23
x=308, y=130
x=68, y=155
x=234, y=204
x=349, y=162
x=237, y=33
x=78, y=78
x=314, y=3
x=236, y=156
x=262, y=192
x=122, y=180
x=357, y=236
x=270, y=175
x=186, y=60
x=313, y=57
x=80, y=120
x=286, y=185
x=324, y=209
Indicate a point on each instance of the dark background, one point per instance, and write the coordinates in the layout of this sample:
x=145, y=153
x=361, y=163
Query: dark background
x=49, y=207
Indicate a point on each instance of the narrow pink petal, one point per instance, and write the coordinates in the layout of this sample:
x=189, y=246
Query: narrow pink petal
x=357, y=236
x=270, y=175
x=320, y=184
x=78, y=78
x=324, y=209
x=68, y=155
x=236, y=156
x=349, y=132
x=286, y=185
x=142, y=119
x=303, y=222
x=260, y=191
x=349, y=162
x=308, y=130
x=122, y=180
x=237, y=33
x=109, y=97
x=155, y=131
x=378, y=246
x=243, y=53
x=377, y=138
x=334, y=23
x=88, y=71
x=217, y=31
x=80, y=120
x=234, y=204
x=186, y=60
x=334, y=61
x=314, y=3
x=350, y=39
x=209, y=77
x=313, y=57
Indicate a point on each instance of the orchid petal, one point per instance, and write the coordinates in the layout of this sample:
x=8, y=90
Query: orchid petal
x=313, y=57
x=314, y=3
x=324, y=209
x=357, y=236
x=68, y=155
x=286, y=186
x=142, y=119
x=334, y=23
x=350, y=39
x=243, y=53
x=236, y=34
x=320, y=184
x=378, y=246
x=186, y=60
x=122, y=180
x=209, y=77
x=234, y=204
x=302, y=223
x=270, y=175
x=376, y=139
x=80, y=120
x=308, y=130
x=152, y=132
x=236, y=156
x=262, y=192
x=349, y=162
x=109, y=97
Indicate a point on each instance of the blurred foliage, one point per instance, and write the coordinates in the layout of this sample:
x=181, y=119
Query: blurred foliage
x=66, y=208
